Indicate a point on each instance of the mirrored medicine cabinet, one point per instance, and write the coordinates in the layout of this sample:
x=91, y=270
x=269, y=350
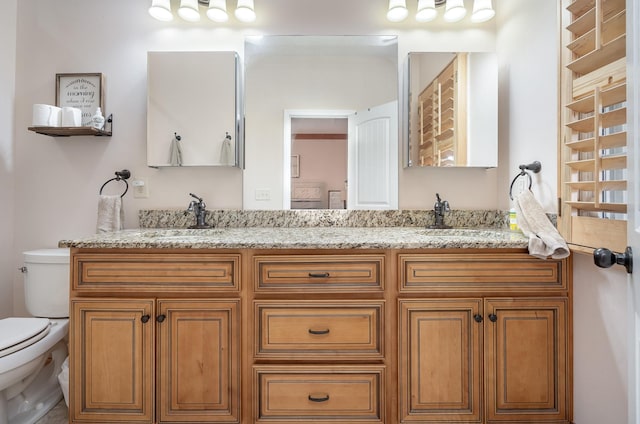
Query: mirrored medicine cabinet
x=193, y=109
x=452, y=109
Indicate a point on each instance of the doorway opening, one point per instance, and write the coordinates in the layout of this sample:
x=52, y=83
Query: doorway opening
x=316, y=146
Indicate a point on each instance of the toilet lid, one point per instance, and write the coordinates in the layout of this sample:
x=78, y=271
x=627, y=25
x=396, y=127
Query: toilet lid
x=18, y=333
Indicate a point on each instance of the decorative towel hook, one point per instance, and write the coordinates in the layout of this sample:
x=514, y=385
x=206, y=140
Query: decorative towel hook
x=535, y=167
x=123, y=176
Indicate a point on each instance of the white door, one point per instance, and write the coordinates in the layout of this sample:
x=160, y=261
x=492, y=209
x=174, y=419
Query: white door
x=633, y=202
x=373, y=158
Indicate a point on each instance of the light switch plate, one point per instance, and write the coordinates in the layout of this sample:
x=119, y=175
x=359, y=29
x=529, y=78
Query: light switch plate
x=263, y=194
x=140, y=188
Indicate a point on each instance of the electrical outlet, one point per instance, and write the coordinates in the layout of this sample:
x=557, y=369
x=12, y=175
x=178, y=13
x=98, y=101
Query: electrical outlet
x=140, y=188
x=263, y=194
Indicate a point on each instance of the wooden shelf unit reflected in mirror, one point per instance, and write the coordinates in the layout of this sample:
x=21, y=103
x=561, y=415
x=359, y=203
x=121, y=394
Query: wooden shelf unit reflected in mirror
x=442, y=113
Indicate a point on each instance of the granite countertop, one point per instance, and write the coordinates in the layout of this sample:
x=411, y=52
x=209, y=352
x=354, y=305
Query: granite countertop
x=303, y=238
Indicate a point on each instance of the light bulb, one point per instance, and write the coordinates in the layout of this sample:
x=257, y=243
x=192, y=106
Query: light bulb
x=217, y=10
x=244, y=11
x=426, y=11
x=482, y=11
x=188, y=10
x=161, y=10
x=397, y=10
x=454, y=11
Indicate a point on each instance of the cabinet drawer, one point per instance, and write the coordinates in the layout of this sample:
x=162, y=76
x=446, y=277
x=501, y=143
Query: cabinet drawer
x=486, y=272
x=147, y=272
x=319, y=273
x=319, y=394
x=321, y=330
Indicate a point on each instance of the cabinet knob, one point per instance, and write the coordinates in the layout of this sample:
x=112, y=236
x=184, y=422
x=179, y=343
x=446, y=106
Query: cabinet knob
x=161, y=318
x=477, y=317
x=319, y=397
x=145, y=319
x=493, y=317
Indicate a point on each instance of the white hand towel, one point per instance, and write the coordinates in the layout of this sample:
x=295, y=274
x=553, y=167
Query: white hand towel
x=544, y=238
x=226, y=152
x=175, y=153
x=110, y=214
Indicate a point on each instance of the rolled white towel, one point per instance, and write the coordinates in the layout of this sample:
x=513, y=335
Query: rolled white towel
x=544, y=239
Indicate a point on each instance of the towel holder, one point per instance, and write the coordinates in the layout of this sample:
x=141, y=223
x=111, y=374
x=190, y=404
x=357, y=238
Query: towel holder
x=535, y=167
x=120, y=176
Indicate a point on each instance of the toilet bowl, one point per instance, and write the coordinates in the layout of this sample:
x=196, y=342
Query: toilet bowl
x=33, y=349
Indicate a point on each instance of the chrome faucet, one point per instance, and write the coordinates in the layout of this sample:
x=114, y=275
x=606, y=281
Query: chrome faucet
x=198, y=207
x=439, y=209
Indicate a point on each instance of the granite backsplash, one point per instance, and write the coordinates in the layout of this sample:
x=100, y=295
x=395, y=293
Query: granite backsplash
x=221, y=218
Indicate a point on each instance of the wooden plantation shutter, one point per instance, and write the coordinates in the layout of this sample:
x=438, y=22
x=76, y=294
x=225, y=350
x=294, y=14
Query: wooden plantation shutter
x=593, y=137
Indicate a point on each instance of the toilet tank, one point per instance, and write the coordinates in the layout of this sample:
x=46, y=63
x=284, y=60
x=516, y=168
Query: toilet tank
x=46, y=282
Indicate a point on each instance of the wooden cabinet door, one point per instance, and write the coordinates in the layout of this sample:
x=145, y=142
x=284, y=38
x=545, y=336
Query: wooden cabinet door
x=198, y=361
x=111, y=370
x=526, y=356
x=440, y=360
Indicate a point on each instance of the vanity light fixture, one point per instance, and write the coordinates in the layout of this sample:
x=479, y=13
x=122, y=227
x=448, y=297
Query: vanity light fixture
x=397, y=10
x=188, y=10
x=455, y=10
x=216, y=10
x=245, y=12
x=482, y=11
x=161, y=10
x=426, y=11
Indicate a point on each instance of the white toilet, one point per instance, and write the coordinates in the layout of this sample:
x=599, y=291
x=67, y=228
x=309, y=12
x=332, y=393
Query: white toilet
x=32, y=350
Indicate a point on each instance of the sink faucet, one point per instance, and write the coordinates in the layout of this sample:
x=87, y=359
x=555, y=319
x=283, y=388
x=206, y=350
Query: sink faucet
x=198, y=207
x=439, y=209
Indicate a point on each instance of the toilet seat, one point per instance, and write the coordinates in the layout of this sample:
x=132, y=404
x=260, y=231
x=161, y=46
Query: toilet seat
x=17, y=333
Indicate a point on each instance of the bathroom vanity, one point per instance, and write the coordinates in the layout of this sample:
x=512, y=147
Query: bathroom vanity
x=295, y=325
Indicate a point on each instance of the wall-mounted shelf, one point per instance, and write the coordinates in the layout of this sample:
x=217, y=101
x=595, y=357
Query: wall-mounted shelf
x=74, y=131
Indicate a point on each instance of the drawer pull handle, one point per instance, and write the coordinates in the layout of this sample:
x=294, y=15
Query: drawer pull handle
x=319, y=275
x=145, y=319
x=319, y=398
x=319, y=331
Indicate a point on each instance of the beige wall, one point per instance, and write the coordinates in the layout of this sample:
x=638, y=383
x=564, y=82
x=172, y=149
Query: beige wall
x=52, y=183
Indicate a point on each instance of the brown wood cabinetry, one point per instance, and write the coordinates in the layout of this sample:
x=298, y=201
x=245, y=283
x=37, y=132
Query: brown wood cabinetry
x=479, y=359
x=323, y=315
x=319, y=336
x=140, y=356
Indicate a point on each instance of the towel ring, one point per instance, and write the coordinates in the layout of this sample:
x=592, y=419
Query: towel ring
x=535, y=167
x=120, y=176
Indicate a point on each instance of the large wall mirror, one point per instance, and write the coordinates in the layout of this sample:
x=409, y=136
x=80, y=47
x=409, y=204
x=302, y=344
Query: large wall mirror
x=452, y=110
x=193, y=109
x=301, y=92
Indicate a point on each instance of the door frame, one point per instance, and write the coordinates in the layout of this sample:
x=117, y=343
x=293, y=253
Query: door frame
x=301, y=113
x=633, y=208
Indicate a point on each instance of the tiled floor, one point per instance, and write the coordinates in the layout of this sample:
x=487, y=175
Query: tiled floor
x=58, y=415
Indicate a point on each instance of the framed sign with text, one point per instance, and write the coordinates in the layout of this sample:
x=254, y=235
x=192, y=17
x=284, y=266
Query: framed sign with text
x=83, y=91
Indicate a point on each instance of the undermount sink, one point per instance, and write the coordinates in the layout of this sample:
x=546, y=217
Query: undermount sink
x=181, y=233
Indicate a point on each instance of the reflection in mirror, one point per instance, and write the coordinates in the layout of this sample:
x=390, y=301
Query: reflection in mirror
x=453, y=110
x=318, y=163
x=330, y=77
x=193, y=109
